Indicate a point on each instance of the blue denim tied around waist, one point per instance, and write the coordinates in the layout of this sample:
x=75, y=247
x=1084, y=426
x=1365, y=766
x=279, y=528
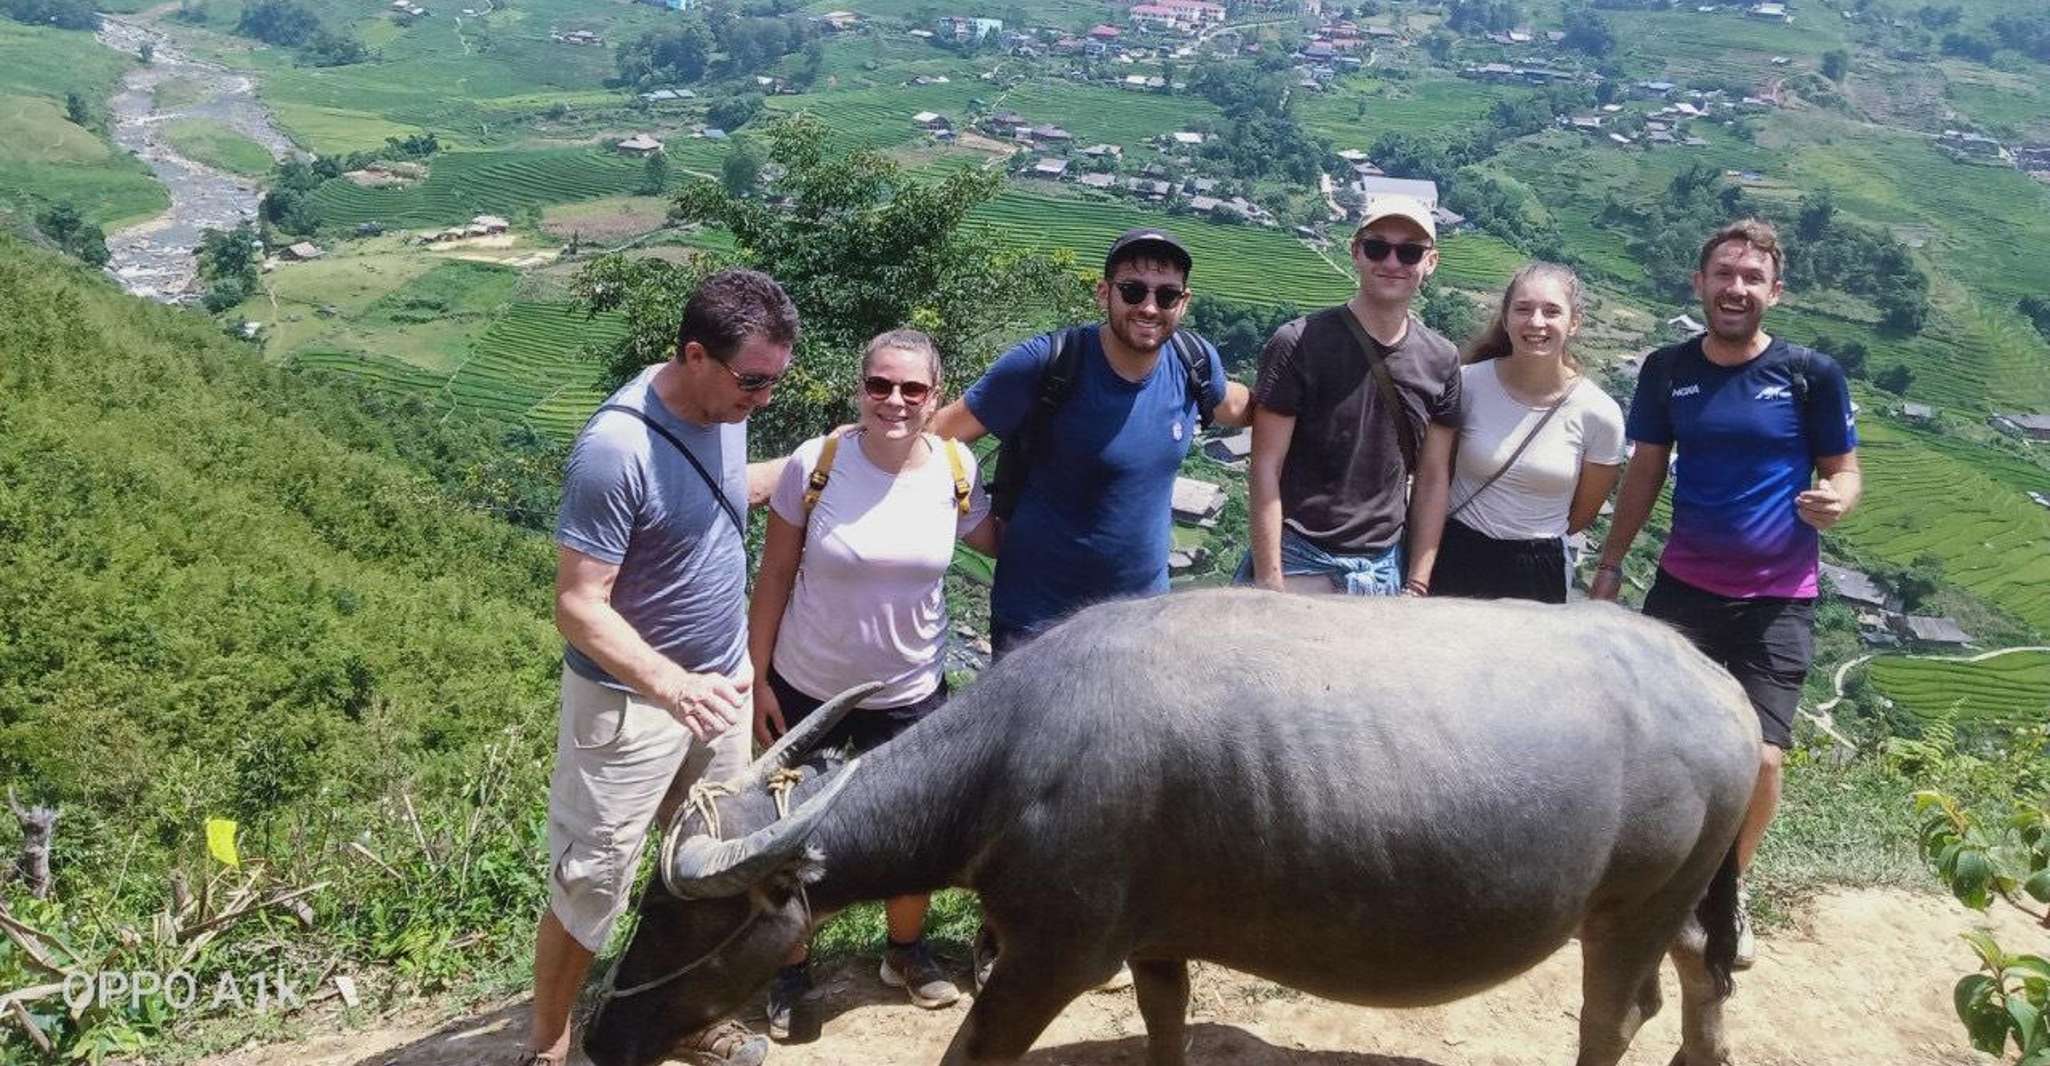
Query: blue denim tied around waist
x=1380, y=574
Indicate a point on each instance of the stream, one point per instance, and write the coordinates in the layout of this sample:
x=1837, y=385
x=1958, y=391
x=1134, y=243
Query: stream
x=154, y=258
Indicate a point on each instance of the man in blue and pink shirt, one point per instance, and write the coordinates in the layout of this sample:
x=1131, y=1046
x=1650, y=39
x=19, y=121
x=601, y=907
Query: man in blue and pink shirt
x=1744, y=421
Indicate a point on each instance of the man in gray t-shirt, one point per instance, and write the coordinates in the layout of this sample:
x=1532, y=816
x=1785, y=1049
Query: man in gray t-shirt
x=650, y=597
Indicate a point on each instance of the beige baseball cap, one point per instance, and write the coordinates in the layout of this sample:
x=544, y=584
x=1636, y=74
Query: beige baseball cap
x=1405, y=207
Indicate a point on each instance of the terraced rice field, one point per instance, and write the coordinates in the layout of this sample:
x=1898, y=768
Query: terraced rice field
x=1993, y=541
x=1247, y=264
x=1110, y=116
x=880, y=118
x=1969, y=356
x=1684, y=43
x=462, y=184
x=1360, y=109
x=2012, y=688
x=527, y=367
x=1477, y=261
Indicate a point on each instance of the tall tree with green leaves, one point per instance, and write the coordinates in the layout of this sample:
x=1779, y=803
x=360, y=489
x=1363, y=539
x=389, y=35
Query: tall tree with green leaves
x=862, y=247
x=654, y=175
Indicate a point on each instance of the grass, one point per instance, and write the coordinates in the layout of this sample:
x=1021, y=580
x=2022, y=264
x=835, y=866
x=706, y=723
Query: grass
x=178, y=92
x=1248, y=264
x=218, y=146
x=881, y=117
x=1478, y=261
x=2007, y=689
x=1095, y=114
x=44, y=158
x=1683, y=44
x=1920, y=499
x=462, y=184
x=1359, y=109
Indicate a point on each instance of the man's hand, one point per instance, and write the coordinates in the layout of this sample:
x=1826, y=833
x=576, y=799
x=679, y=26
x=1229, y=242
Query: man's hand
x=706, y=704
x=768, y=717
x=1607, y=584
x=1820, y=506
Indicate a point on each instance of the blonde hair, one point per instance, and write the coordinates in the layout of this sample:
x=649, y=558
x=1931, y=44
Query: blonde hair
x=1493, y=342
x=903, y=340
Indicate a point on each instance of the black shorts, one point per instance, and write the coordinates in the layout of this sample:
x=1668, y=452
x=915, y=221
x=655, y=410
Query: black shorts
x=1767, y=643
x=1476, y=566
x=864, y=728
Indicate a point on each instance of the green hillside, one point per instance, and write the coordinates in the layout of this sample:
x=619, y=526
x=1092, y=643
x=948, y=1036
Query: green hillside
x=229, y=591
x=44, y=157
x=2006, y=689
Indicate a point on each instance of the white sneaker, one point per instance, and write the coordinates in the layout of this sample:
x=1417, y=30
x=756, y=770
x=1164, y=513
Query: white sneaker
x=1747, y=944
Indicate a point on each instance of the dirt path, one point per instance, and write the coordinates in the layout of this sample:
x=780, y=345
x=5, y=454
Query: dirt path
x=1862, y=979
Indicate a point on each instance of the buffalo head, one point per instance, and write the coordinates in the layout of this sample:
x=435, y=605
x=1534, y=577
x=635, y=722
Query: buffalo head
x=728, y=907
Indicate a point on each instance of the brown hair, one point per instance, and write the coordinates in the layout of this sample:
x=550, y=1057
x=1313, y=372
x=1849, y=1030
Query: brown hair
x=1756, y=232
x=733, y=305
x=903, y=340
x=1493, y=342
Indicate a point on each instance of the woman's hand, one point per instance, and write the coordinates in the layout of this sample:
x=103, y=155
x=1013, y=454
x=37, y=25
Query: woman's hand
x=768, y=716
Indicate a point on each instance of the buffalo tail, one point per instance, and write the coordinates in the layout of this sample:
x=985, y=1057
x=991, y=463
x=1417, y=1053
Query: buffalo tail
x=1717, y=913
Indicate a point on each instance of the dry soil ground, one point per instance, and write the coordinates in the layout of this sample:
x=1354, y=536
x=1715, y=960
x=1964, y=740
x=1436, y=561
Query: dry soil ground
x=1862, y=978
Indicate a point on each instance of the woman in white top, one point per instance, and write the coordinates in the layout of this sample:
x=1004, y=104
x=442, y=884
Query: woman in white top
x=1540, y=447
x=850, y=591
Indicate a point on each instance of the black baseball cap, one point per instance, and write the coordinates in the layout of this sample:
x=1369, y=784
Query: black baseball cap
x=1144, y=240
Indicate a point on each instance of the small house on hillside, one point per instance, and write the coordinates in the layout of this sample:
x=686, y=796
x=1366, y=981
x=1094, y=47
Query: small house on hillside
x=1373, y=188
x=931, y=120
x=1197, y=503
x=1685, y=324
x=1184, y=560
x=304, y=250
x=640, y=144
x=1919, y=414
x=492, y=223
x=2034, y=427
x=1233, y=451
x=1930, y=629
x=1055, y=169
x=1855, y=587
x=1770, y=12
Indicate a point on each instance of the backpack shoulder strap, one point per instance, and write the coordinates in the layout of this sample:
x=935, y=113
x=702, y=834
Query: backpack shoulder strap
x=1063, y=366
x=962, y=489
x=815, y=486
x=1189, y=347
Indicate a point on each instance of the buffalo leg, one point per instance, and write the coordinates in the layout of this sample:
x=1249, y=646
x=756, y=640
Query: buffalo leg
x=1162, y=986
x=1619, y=983
x=1702, y=1041
x=1026, y=991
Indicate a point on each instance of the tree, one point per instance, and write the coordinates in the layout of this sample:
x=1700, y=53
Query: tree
x=1895, y=379
x=228, y=263
x=742, y=170
x=280, y=22
x=862, y=247
x=69, y=230
x=654, y=175
x=734, y=111
x=147, y=53
x=77, y=110
x=1835, y=64
x=1588, y=32
x=1818, y=211
x=1852, y=356
x=677, y=53
x=331, y=49
x=1439, y=44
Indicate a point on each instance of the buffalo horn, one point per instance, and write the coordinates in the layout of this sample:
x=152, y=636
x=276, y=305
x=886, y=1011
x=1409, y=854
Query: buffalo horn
x=798, y=743
x=705, y=867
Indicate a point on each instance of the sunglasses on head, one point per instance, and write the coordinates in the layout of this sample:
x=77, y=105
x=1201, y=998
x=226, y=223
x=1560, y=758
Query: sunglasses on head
x=1166, y=297
x=880, y=388
x=750, y=382
x=1408, y=253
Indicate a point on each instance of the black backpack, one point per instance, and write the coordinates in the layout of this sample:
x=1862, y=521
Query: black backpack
x=1801, y=360
x=1016, y=453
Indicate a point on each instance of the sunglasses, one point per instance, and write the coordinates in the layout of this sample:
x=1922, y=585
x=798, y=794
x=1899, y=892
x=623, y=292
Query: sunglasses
x=1408, y=253
x=879, y=388
x=751, y=382
x=1166, y=297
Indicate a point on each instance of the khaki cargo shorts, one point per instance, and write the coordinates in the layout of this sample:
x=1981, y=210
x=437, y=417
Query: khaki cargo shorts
x=620, y=762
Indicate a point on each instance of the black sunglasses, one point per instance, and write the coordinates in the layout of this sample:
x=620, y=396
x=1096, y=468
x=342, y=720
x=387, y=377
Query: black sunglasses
x=750, y=382
x=880, y=388
x=1408, y=253
x=1166, y=296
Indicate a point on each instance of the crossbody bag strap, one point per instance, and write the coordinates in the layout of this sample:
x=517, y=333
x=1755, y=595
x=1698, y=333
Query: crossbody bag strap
x=1405, y=434
x=712, y=483
x=1518, y=453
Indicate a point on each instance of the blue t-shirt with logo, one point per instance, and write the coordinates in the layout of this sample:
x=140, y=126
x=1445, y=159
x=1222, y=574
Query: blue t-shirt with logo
x=1095, y=519
x=1743, y=449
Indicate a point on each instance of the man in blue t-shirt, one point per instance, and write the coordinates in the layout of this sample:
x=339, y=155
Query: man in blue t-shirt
x=1744, y=421
x=1095, y=519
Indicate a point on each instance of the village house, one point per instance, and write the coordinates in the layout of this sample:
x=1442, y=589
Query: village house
x=840, y=21
x=2033, y=427
x=491, y=223
x=1105, y=182
x=1181, y=561
x=1770, y=12
x=965, y=28
x=1197, y=503
x=640, y=144
x=659, y=96
x=1373, y=188
x=302, y=251
x=931, y=120
x=1104, y=151
x=1233, y=450
x=580, y=37
x=1856, y=588
x=1050, y=135
x=1053, y=169
x=1919, y=414
x=1929, y=629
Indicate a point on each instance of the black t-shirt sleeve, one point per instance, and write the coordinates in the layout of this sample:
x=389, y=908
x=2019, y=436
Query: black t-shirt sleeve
x=1279, y=384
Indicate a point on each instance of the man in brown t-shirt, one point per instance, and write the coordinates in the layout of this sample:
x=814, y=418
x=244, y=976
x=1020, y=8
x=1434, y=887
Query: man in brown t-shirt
x=1332, y=457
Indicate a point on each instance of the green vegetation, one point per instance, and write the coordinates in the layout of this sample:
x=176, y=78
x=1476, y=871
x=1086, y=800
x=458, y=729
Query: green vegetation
x=202, y=625
x=216, y=145
x=460, y=185
x=45, y=158
x=1478, y=261
x=2007, y=689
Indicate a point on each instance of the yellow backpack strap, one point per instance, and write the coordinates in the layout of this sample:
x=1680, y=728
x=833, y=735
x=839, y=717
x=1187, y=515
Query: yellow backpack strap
x=962, y=490
x=816, y=486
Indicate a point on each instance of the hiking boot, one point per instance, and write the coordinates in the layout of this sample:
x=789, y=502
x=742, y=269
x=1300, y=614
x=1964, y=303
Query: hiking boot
x=1747, y=945
x=727, y=1043
x=789, y=992
x=911, y=968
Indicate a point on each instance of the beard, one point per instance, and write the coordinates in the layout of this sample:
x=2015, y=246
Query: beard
x=1125, y=328
x=1733, y=327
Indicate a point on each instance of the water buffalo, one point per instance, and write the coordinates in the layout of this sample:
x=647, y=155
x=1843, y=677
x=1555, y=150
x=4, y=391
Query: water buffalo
x=1389, y=803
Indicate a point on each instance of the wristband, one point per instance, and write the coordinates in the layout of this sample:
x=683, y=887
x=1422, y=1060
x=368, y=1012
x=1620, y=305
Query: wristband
x=1421, y=588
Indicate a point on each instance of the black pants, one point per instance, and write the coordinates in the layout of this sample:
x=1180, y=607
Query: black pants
x=864, y=728
x=1479, y=567
x=1766, y=642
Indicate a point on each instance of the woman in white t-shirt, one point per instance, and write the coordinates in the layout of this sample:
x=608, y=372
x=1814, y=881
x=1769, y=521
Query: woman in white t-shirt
x=850, y=591
x=1540, y=447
